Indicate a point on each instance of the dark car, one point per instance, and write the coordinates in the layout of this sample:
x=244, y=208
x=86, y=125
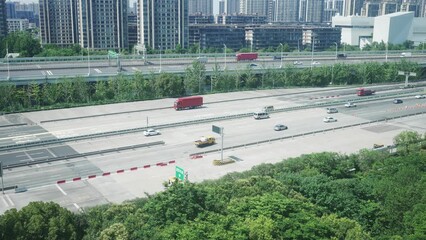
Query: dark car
x=397, y=101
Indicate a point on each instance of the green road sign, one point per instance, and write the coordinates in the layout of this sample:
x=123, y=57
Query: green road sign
x=216, y=129
x=180, y=173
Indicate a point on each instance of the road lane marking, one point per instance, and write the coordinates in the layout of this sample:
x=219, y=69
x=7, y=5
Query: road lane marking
x=98, y=71
x=38, y=66
x=43, y=73
x=10, y=200
x=49, y=72
x=135, y=69
x=5, y=202
x=78, y=207
x=60, y=189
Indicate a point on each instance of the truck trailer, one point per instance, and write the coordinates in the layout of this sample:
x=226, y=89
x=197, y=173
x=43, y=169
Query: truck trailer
x=188, y=102
x=246, y=56
x=364, y=92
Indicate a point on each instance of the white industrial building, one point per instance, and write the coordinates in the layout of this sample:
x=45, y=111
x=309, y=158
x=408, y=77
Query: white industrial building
x=394, y=28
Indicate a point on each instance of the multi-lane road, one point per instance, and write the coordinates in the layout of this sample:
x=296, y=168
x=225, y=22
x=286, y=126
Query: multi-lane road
x=118, y=175
x=52, y=70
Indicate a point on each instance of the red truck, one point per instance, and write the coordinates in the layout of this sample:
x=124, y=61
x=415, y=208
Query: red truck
x=246, y=56
x=188, y=102
x=364, y=92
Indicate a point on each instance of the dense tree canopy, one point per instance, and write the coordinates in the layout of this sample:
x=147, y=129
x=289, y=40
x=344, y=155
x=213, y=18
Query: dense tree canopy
x=313, y=196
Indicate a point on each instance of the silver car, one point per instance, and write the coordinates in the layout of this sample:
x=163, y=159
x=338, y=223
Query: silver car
x=329, y=119
x=151, y=132
x=280, y=127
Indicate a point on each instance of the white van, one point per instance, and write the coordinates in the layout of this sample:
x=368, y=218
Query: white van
x=260, y=115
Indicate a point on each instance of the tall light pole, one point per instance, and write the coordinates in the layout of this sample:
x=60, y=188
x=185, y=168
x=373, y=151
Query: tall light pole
x=313, y=48
x=7, y=59
x=159, y=47
x=336, y=49
x=281, y=65
x=88, y=60
x=225, y=54
x=386, y=52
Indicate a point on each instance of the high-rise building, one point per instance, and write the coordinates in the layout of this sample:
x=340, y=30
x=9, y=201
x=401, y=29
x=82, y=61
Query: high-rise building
x=204, y=7
x=102, y=24
x=311, y=11
x=10, y=9
x=286, y=11
x=3, y=22
x=163, y=24
x=57, y=22
x=388, y=7
x=352, y=7
x=370, y=8
x=252, y=7
x=232, y=7
x=411, y=6
x=221, y=6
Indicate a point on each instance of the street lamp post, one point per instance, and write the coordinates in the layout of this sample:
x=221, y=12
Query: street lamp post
x=281, y=58
x=159, y=47
x=336, y=49
x=313, y=48
x=386, y=52
x=225, y=54
x=88, y=60
x=7, y=59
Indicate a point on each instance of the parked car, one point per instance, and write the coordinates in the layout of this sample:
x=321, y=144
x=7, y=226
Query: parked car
x=397, y=101
x=150, y=132
x=332, y=110
x=297, y=63
x=350, y=104
x=420, y=96
x=253, y=65
x=316, y=63
x=329, y=119
x=280, y=127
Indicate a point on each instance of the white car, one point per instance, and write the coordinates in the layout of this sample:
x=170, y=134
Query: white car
x=297, y=63
x=420, y=96
x=150, y=132
x=350, y=104
x=316, y=63
x=332, y=110
x=329, y=119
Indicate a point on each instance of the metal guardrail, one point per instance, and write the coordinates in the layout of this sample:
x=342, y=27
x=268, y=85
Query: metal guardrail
x=190, y=122
x=305, y=134
x=78, y=155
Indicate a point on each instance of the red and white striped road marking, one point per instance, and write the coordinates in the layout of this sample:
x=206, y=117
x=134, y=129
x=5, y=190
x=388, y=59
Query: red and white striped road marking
x=160, y=164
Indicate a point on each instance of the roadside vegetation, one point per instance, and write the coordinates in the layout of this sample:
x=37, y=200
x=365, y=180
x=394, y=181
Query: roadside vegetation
x=72, y=92
x=368, y=195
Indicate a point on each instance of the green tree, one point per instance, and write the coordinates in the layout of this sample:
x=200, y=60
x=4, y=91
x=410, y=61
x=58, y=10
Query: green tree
x=195, y=76
x=407, y=141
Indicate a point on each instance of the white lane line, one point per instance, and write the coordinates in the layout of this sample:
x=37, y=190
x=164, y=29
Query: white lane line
x=5, y=202
x=97, y=70
x=49, y=72
x=60, y=189
x=10, y=200
x=76, y=206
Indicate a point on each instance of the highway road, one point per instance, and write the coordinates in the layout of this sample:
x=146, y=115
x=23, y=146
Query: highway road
x=105, y=68
x=179, y=140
